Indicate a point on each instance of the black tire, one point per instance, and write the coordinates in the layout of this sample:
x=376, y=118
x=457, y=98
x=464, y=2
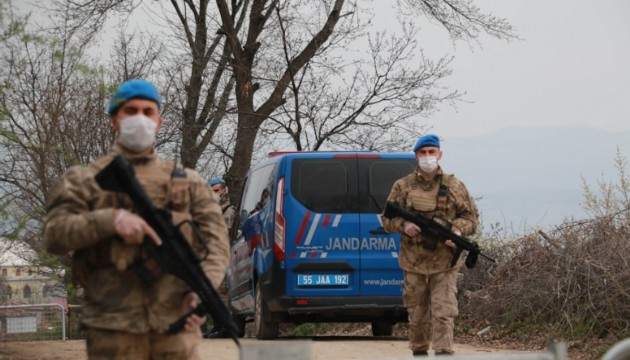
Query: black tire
x=264, y=327
x=382, y=328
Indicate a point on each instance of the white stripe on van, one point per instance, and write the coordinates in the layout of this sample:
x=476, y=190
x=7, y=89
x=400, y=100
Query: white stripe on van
x=394, y=254
x=311, y=231
x=336, y=221
x=302, y=255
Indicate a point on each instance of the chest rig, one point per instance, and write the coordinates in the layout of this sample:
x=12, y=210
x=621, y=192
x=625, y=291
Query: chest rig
x=432, y=200
x=169, y=188
x=170, y=192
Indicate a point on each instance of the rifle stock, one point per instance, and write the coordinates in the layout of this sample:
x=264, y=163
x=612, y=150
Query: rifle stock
x=438, y=231
x=175, y=256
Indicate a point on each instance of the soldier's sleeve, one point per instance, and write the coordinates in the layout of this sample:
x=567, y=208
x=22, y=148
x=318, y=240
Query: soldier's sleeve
x=466, y=212
x=206, y=213
x=229, y=216
x=70, y=224
x=397, y=194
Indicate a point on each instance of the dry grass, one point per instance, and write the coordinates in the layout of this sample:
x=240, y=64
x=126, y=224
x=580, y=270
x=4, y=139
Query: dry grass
x=571, y=284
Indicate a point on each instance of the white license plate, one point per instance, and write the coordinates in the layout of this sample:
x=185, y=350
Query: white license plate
x=323, y=280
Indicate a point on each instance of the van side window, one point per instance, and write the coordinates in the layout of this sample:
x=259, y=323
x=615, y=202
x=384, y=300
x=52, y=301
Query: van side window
x=325, y=186
x=258, y=189
x=381, y=175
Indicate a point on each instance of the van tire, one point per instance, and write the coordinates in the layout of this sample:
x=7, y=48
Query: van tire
x=382, y=328
x=264, y=327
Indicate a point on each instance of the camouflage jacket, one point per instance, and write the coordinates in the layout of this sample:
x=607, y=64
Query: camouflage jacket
x=451, y=205
x=80, y=220
x=229, y=213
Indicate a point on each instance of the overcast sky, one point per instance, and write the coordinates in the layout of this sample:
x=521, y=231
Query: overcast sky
x=570, y=68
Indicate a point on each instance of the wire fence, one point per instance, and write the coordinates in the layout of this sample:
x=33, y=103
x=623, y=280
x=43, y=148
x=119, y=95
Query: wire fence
x=40, y=322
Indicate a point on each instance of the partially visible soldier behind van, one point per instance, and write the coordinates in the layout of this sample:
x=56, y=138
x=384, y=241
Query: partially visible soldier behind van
x=430, y=292
x=218, y=186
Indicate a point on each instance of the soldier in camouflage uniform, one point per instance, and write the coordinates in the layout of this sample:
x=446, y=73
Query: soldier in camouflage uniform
x=218, y=186
x=125, y=316
x=430, y=292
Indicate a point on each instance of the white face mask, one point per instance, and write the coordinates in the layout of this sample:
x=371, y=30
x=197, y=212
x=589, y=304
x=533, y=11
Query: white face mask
x=428, y=163
x=137, y=132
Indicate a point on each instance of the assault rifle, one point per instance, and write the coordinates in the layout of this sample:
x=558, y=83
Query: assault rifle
x=435, y=230
x=175, y=256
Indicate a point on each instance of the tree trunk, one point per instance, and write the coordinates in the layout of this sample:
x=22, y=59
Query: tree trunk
x=248, y=125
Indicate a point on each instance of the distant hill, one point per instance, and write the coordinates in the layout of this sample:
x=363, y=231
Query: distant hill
x=530, y=177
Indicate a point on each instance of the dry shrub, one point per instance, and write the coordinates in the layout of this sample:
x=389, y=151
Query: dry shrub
x=573, y=281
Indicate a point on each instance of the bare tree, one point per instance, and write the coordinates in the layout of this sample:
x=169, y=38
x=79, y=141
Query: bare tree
x=385, y=95
x=461, y=18
x=53, y=115
x=375, y=101
x=244, y=51
x=194, y=72
x=239, y=58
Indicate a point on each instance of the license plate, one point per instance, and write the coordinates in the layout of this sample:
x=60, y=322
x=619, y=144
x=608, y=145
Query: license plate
x=323, y=280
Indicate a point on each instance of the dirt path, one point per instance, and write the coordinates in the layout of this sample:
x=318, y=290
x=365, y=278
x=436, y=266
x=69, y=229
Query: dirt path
x=322, y=348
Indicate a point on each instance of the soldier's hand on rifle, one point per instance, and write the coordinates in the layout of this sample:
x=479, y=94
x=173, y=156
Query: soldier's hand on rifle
x=190, y=303
x=132, y=228
x=411, y=229
x=450, y=243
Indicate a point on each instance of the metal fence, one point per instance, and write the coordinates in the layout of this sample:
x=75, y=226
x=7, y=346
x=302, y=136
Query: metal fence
x=32, y=322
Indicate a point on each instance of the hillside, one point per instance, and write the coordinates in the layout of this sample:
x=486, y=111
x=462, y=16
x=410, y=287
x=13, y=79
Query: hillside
x=530, y=177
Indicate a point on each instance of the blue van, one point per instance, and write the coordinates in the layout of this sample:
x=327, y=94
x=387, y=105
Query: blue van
x=311, y=247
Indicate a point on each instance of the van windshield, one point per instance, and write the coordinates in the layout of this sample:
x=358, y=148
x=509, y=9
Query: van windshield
x=258, y=190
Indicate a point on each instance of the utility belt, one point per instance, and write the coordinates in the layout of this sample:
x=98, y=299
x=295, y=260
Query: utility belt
x=115, y=255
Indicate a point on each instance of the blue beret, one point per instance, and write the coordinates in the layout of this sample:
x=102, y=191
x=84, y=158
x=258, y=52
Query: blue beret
x=427, y=140
x=215, y=181
x=133, y=89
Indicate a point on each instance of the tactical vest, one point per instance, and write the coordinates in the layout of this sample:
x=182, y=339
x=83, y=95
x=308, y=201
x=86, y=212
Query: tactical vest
x=167, y=187
x=433, y=200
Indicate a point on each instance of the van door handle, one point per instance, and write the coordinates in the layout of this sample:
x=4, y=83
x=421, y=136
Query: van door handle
x=378, y=231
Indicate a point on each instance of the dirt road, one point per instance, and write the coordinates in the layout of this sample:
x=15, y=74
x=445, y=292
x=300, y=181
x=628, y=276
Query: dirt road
x=322, y=348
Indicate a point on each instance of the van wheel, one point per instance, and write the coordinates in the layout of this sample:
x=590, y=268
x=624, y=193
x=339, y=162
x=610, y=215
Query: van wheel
x=382, y=328
x=264, y=327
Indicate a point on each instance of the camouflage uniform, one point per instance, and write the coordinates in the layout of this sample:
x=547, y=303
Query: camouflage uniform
x=229, y=216
x=80, y=220
x=430, y=293
x=229, y=212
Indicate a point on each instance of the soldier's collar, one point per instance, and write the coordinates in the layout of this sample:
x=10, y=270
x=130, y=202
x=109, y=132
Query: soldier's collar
x=135, y=157
x=420, y=177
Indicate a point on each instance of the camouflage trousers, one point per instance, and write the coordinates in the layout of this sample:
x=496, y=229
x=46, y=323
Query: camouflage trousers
x=110, y=344
x=431, y=301
x=222, y=291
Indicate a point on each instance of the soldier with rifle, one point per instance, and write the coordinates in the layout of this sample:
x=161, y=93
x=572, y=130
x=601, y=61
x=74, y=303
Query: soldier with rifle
x=148, y=240
x=430, y=274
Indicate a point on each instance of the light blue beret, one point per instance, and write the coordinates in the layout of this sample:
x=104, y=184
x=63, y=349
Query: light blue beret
x=215, y=181
x=427, y=140
x=133, y=89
